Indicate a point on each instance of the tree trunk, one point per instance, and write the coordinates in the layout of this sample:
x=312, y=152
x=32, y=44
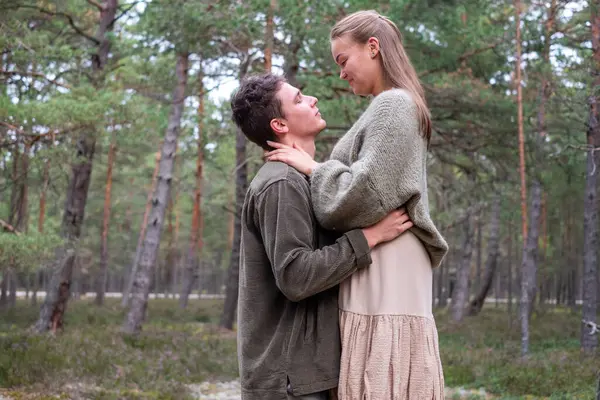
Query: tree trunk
x=19, y=214
x=443, y=287
x=41, y=220
x=14, y=194
x=589, y=342
x=138, y=250
x=479, y=255
x=141, y=285
x=57, y=295
x=269, y=36
x=190, y=274
x=231, y=295
x=101, y=278
x=520, y=121
x=176, y=267
x=461, y=290
x=53, y=309
x=22, y=204
x=172, y=248
x=4, y=288
x=241, y=184
x=528, y=267
x=492, y=259
x=46, y=182
x=292, y=64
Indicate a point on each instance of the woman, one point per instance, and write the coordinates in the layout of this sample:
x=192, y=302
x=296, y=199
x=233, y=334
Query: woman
x=389, y=338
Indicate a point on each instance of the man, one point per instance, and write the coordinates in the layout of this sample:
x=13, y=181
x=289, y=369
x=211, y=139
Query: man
x=288, y=332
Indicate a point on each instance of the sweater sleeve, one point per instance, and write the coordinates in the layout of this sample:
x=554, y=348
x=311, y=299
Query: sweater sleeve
x=386, y=175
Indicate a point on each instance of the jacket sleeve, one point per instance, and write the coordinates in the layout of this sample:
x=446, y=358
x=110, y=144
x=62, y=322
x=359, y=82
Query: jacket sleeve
x=387, y=174
x=286, y=222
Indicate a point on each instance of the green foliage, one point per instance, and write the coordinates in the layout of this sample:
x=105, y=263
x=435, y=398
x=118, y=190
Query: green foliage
x=484, y=352
x=27, y=252
x=175, y=349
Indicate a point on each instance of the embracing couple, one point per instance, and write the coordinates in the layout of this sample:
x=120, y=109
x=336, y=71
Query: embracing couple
x=335, y=284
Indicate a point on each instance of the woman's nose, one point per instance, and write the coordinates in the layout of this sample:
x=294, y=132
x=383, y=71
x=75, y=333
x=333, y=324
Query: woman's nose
x=342, y=74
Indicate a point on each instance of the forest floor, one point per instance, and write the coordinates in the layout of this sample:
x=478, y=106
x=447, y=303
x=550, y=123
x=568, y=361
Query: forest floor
x=182, y=354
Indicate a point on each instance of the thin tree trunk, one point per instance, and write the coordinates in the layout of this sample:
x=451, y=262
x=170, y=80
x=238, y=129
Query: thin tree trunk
x=41, y=220
x=190, y=274
x=176, y=267
x=20, y=213
x=291, y=64
x=241, y=184
x=589, y=342
x=479, y=255
x=12, y=294
x=101, y=278
x=23, y=194
x=542, y=287
x=509, y=271
x=57, y=296
x=170, y=242
x=461, y=290
x=138, y=251
x=520, y=121
x=269, y=36
x=141, y=286
x=231, y=295
x=14, y=194
x=528, y=268
x=444, y=284
x=46, y=182
x=171, y=258
x=492, y=259
x=4, y=288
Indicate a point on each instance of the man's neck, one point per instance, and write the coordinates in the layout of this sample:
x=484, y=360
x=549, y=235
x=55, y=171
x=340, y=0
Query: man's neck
x=307, y=143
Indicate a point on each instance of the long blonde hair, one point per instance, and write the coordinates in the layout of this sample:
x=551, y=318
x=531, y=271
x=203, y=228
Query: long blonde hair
x=398, y=71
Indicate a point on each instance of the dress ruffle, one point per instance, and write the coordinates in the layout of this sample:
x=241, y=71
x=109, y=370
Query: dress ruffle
x=372, y=368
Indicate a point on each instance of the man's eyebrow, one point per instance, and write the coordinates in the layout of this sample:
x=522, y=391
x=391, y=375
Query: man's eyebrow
x=298, y=95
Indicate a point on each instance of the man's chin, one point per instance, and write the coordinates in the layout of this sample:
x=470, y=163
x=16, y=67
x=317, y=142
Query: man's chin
x=322, y=127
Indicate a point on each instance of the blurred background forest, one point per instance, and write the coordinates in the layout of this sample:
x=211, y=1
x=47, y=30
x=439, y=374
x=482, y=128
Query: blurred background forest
x=122, y=178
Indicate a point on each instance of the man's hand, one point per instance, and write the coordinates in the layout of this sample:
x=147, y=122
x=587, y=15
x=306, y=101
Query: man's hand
x=393, y=225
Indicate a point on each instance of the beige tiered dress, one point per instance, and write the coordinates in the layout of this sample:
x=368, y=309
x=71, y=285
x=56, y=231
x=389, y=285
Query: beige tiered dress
x=389, y=338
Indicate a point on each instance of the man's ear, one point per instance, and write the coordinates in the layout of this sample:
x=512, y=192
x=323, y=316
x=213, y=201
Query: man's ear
x=279, y=126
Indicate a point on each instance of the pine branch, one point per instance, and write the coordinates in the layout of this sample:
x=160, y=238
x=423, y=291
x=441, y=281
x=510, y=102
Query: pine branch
x=36, y=75
x=135, y=3
x=68, y=17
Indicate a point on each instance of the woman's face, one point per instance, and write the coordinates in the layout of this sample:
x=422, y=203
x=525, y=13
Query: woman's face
x=359, y=64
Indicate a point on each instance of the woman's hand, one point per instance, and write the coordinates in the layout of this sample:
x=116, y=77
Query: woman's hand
x=294, y=156
x=393, y=225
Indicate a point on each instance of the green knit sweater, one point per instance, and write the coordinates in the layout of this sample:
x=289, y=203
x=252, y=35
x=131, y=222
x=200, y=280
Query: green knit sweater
x=379, y=165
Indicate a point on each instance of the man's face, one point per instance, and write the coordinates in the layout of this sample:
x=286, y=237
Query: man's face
x=302, y=117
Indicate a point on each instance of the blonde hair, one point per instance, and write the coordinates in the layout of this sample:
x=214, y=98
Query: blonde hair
x=397, y=68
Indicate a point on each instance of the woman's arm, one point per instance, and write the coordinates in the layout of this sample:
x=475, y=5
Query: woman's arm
x=388, y=173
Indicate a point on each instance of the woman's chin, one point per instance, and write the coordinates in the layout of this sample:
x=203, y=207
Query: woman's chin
x=357, y=91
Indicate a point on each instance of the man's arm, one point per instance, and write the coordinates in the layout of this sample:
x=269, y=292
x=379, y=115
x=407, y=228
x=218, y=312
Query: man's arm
x=284, y=216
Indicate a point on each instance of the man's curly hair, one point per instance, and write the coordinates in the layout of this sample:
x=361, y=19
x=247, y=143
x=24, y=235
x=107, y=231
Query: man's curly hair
x=255, y=104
